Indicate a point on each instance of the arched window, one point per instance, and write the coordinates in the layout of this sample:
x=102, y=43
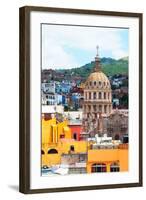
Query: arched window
x=94, y=95
x=94, y=108
x=52, y=151
x=42, y=152
x=99, y=95
x=98, y=167
x=99, y=83
x=114, y=167
x=100, y=108
x=105, y=108
x=75, y=136
x=94, y=83
x=104, y=95
x=72, y=148
x=89, y=95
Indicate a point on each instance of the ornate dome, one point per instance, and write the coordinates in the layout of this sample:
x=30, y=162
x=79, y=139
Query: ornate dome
x=97, y=80
x=97, y=98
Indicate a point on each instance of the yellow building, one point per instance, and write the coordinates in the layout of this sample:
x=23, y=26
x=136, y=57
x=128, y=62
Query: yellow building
x=57, y=141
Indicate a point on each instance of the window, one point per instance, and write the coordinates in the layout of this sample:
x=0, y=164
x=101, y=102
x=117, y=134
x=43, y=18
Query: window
x=99, y=83
x=89, y=95
x=99, y=167
x=94, y=83
x=86, y=95
x=114, y=167
x=62, y=136
x=72, y=148
x=105, y=108
x=104, y=95
x=100, y=95
x=52, y=151
x=94, y=95
x=100, y=108
x=82, y=158
x=75, y=136
x=42, y=152
x=94, y=108
x=46, y=85
x=117, y=137
x=125, y=139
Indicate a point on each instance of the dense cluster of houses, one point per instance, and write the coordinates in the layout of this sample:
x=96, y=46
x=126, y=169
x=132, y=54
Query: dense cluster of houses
x=69, y=93
x=64, y=93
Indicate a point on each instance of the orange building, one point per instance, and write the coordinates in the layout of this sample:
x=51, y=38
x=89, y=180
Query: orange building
x=108, y=160
x=58, y=146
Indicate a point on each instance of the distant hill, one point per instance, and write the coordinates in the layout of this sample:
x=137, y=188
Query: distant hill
x=110, y=67
x=124, y=58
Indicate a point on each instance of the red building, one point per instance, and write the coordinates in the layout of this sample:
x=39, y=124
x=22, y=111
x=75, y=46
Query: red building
x=76, y=131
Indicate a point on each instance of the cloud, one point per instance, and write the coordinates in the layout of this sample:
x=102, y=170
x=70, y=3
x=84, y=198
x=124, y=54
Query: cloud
x=55, y=56
x=56, y=39
x=119, y=54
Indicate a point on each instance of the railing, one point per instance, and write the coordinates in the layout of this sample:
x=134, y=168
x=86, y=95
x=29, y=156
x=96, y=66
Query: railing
x=94, y=147
x=123, y=146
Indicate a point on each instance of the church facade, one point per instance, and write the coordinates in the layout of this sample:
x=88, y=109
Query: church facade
x=97, y=92
x=97, y=100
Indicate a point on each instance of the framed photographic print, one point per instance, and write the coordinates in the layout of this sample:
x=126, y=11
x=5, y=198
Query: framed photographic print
x=80, y=99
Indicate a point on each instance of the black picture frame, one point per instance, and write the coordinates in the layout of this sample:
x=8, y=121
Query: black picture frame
x=24, y=77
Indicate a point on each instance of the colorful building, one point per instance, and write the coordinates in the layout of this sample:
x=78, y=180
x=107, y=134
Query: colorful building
x=87, y=147
x=59, y=147
x=75, y=131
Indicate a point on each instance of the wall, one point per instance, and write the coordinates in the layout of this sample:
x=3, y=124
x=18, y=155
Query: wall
x=9, y=61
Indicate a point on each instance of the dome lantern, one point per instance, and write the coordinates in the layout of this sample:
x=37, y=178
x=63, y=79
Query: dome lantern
x=97, y=67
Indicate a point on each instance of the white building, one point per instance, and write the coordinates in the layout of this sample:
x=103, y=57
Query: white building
x=48, y=98
x=48, y=87
x=51, y=109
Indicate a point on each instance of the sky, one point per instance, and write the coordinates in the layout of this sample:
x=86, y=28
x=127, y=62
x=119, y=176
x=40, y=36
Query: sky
x=65, y=47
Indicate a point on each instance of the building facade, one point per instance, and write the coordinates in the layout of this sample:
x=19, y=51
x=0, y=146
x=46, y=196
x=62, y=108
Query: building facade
x=117, y=125
x=97, y=100
x=97, y=92
x=60, y=148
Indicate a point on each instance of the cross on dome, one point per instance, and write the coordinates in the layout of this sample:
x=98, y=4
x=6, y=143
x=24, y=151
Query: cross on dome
x=97, y=47
x=97, y=67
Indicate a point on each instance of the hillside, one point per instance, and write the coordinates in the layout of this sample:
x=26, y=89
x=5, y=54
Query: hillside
x=109, y=66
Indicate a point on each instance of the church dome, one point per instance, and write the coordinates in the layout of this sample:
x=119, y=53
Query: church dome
x=97, y=94
x=97, y=79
